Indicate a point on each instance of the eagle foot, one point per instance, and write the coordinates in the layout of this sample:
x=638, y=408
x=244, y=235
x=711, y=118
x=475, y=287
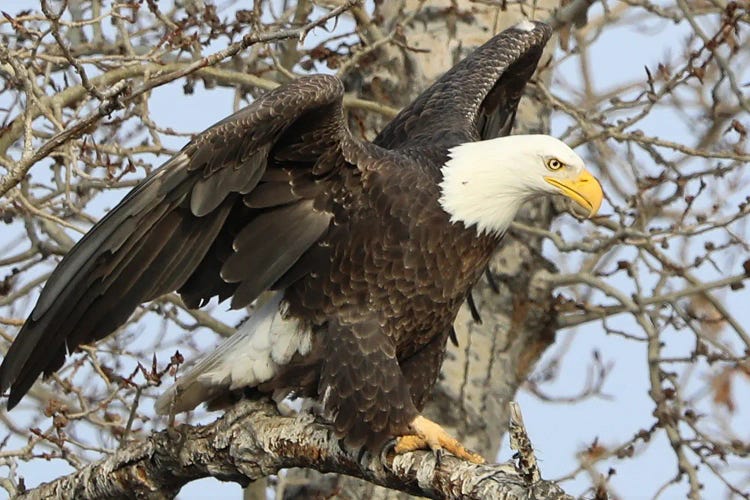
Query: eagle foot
x=428, y=434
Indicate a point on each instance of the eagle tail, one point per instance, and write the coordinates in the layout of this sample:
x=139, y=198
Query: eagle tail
x=253, y=355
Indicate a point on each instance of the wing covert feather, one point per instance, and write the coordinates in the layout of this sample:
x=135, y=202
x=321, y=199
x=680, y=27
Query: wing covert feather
x=277, y=239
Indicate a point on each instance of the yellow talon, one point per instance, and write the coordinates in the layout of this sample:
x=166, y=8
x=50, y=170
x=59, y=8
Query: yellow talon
x=428, y=434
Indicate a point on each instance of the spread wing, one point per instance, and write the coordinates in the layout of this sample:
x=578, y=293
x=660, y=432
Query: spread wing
x=477, y=98
x=229, y=216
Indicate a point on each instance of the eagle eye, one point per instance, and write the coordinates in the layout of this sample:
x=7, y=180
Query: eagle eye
x=554, y=164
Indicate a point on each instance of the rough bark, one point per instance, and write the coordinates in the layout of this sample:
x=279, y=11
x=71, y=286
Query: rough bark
x=252, y=441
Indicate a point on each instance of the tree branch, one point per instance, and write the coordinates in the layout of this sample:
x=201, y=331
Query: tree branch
x=252, y=441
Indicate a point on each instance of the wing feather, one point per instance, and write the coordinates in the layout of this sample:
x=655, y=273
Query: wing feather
x=277, y=238
x=208, y=193
x=271, y=194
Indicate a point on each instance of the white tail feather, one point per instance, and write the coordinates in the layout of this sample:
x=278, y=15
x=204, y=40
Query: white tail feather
x=251, y=356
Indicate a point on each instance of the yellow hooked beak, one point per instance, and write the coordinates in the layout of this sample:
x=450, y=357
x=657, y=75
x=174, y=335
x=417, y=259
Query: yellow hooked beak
x=584, y=190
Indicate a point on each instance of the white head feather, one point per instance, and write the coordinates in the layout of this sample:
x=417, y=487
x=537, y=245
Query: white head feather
x=486, y=182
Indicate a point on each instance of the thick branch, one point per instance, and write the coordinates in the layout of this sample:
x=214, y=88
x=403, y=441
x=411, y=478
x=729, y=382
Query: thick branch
x=252, y=441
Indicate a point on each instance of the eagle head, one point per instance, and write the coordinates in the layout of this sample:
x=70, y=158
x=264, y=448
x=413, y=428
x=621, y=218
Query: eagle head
x=486, y=182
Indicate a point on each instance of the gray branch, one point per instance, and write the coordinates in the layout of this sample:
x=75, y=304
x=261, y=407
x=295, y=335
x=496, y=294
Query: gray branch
x=252, y=441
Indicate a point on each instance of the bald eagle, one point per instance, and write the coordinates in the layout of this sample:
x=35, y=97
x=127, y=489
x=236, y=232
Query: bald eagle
x=367, y=250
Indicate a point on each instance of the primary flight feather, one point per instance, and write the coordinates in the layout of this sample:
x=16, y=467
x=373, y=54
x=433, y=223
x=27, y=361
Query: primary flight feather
x=369, y=249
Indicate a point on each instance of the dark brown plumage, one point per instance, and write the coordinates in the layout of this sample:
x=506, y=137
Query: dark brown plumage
x=280, y=196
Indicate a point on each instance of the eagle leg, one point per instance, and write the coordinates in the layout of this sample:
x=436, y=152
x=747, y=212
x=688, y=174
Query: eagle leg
x=428, y=434
x=361, y=386
x=421, y=369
